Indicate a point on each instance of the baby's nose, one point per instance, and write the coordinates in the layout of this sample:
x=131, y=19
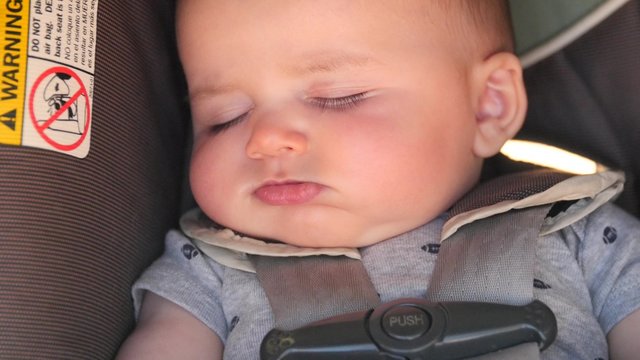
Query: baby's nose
x=272, y=139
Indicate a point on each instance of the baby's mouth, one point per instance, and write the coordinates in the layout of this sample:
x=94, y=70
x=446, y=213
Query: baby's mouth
x=288, y=192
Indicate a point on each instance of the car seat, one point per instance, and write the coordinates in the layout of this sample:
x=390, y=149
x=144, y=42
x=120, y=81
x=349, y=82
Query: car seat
x=75, y=233
x=582, y=97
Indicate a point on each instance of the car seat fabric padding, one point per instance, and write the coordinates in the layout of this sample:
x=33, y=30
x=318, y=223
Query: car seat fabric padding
x=585, y=98
x=75, y=233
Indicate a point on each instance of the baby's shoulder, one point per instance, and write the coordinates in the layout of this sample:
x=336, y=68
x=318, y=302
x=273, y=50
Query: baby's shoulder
x=608, y=223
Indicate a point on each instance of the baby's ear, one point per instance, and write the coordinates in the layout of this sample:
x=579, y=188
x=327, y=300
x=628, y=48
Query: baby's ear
x=500, y=102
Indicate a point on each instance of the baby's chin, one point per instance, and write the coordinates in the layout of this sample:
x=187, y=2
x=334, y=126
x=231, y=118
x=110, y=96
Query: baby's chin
x=323, y=239
x=327, y=242
x=342, y=231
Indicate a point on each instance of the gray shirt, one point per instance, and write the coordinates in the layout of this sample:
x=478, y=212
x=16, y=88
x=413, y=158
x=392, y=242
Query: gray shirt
x=588, y=273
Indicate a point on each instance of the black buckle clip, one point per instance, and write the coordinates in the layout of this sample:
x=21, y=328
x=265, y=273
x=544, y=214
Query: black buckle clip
x=416, y=329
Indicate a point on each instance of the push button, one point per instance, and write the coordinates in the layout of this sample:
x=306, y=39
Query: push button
x=406, y=322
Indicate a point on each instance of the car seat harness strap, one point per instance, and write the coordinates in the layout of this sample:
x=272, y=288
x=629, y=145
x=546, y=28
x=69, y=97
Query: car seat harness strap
x=459, y=319
x=302, y=290
x=490, y=260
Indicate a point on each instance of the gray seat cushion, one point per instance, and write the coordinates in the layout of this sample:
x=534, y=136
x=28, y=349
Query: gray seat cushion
x=585, y=98
x=75, y=233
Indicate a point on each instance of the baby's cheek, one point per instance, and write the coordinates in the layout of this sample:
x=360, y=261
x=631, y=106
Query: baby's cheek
x=204, y=178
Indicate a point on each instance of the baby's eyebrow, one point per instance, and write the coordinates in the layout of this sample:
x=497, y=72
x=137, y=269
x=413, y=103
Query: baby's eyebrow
x=201, y=93
x=324, y=62
x=307, y=64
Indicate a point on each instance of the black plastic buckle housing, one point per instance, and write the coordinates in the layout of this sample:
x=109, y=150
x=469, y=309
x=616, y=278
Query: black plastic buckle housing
x=416, y=329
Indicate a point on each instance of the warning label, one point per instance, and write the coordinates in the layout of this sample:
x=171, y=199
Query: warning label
x=47, y=68
x=14, y=22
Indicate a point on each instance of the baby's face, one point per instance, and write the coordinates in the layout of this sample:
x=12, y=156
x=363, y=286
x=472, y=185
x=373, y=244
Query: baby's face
x=324, y=123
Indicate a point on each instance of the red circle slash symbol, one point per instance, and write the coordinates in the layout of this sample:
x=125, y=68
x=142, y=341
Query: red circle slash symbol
x=67, y=116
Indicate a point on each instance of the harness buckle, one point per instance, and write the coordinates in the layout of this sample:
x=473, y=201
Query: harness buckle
x=416, y=329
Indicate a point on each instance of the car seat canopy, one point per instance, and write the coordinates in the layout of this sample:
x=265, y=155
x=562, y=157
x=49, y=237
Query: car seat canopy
x=544, y=27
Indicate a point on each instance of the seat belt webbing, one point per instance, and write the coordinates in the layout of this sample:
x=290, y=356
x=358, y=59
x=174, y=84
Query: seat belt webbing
x=302, y=290
x=491, y=260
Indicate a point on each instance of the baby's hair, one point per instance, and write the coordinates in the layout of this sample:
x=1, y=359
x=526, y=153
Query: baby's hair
x=487, y=22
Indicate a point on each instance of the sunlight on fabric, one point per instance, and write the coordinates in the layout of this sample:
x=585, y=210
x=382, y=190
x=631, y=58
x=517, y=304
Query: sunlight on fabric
x=549, y=156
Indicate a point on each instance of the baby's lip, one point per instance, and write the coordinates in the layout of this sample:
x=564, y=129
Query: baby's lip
x=288, y=192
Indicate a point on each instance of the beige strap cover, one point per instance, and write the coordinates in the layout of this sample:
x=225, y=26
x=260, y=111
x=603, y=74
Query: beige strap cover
x=590, y=192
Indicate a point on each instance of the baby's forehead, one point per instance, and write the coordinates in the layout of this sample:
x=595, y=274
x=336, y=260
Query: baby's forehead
x=411, y=11
x=236, y=23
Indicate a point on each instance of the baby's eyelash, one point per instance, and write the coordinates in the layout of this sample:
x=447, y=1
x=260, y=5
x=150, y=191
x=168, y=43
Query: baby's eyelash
x=222, y=127
x=339, y=103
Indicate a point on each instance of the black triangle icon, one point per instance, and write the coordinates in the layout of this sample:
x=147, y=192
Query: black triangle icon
x=9, y=119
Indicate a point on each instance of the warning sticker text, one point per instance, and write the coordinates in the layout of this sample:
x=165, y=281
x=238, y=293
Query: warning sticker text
x=47, y=73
